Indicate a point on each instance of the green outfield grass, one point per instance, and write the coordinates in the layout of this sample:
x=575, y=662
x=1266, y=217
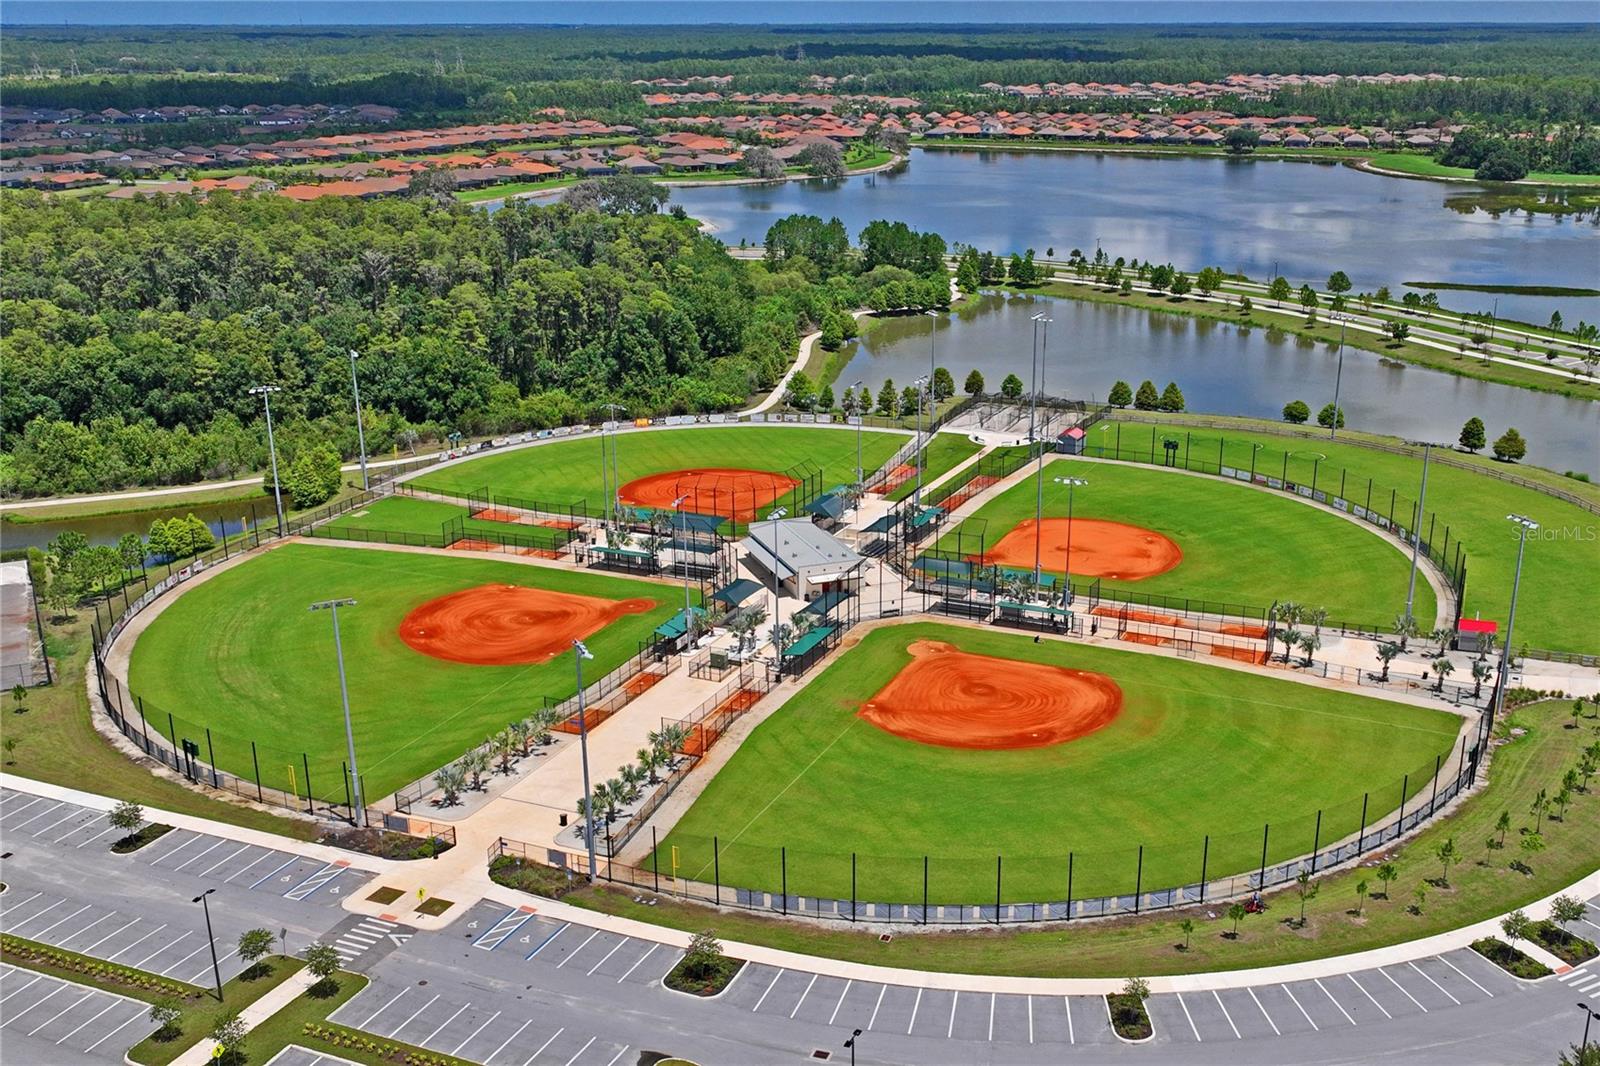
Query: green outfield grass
x=1197, y=750
x=567, y=472
x=1555, y=609
x=242, y=655
x=408, y=514
x=1240, y=545
x=944, y=453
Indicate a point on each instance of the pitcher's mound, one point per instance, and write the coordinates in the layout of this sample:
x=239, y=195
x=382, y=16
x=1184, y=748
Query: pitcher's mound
x=1099, y=549
x=509, y=625
x=725, y=491
x=956, y=699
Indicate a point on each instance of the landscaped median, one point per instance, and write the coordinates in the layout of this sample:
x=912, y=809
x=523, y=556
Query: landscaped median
x=1402, y=894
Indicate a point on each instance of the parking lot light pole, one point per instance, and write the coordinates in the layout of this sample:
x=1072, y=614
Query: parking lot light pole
x=1526, y=525
x=216, y=968
x=358, y=808
x=361, y=432
x=579, y=653
x=1589, y=1014
x=265, y=392
x=850, y=1045
x=1071, y=483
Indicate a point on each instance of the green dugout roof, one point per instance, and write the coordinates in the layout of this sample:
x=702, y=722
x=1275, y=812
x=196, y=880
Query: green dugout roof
x=677, y=625
x=809, y=642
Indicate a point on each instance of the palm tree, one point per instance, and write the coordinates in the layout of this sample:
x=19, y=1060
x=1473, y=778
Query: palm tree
x=1480, y=673
x=451, y=780
x=631, y=777
x=1444, y=668
x=1442, y=635
x=522, y=733
x=1405, y=627
x=476, y=763
x=1317, y=617
x=649, y=759
x=1309, y=643
x=1388, y=650
x=505, y=747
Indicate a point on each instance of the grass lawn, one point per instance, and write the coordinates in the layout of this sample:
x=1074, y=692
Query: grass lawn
x=1425, y=166
x=569, y=471
x=1482, y=886
x=1554, y=611
x=1240, y=545
x=1197, y=750
x=242, y=655
x=200, y=1017
x=409, y=514
x=945, y=452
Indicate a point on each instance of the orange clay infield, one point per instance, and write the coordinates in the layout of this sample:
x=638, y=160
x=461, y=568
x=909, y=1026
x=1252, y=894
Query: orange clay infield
x=725, y=491
x=1099, y=549
x=955, y=699
x=509, y=625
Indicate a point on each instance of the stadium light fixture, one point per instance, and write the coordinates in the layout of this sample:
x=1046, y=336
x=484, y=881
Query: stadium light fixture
x=677, y=552
x=1072, y=483
x=773, y=516
x=1416, y=533
x=860, y=417
x=358, y=809
x=580, y=652
x=265, y=392
x=1338, y=376
x=361, y=432
x=614, y=493
x=920, y=384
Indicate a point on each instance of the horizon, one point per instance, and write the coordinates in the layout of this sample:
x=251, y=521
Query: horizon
x=835, y=14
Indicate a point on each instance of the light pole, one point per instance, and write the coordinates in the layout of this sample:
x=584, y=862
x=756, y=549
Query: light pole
x=358, y=810
x=579, y=653
x=1589, y=1014
x=933, y=401
x=1338, y=375
x=216, y=969
x=851, y=1044
x=861, y=418
x=773, y=516
x=677, y=552
x=1033, y=373
x=361, y=432
x=615, y=500
x=919, y=385
x=1038, y=514
x=265, y=392
x=1072, y=483
x=1525, y=525
x=1416, y=532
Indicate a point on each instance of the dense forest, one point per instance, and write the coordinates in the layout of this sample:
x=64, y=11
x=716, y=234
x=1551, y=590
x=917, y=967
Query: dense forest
x=1533, y=72
x=131, y=331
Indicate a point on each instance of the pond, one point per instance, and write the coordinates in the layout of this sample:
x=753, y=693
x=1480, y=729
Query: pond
x=1220, y=367
x=231, y=518
x=1252, y=216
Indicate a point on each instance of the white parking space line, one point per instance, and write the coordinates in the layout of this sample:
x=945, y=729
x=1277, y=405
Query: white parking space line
x=13, y=811
x=949, y=1029
x=35, y=818
x=1314, y=1026
x=618, y=1055
x=546, y=941
x=88, y=927
x=87, y=993
x=40, y=934
x=991, y=1017
x=1364, y=992
x=207, y=969
x=508, y=924
x=162, y=948
x=274, y=873
x=578, y=950
x=1335, y=1002
x=197, y=856
x=1463, y=973
x=881, y=990
x=807, y=992
x=170, y=852
x=490, y=1057
x=1030, y=1019
x=1402, y=989
x=39, y=1002
x=848, y=982
x=36, y=914
x=183, y=960
x=230, y=857
x=1192, y=1027
x=245, y=869
x=414, y=1013
x=37, y=978
x=635, y=966
x=70, y=1033
x=1072, y=1038
x=75, y=829
x=914, y=1006
x=114, y=1032
x=544, y=1045
x=608, y=954
x=374, y=1016
x=475, y=1032
x=42, y=830
x=108, y=936
x=1434, y=983
x=97, y=836
x=1228, y=1016
x=581, y=1050
x=23, y=903
x=442, y=1025
x=775, y=979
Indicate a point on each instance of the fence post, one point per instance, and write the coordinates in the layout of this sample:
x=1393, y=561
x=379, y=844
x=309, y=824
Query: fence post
x=924, y=890
x=1262, y=877
x=172, y=735
x=1437, y=760
x=852, y=886
x=1361, y=837
x=997, y=890
x=212, y=755
x=1400, y=823
x=1205, y=856
x=344, y=772
x=1069, y=886
x=783, y=862
x=716, y=869
x=144, y=724
x=305, y=764
x=1138, y=880
x=1316, y=842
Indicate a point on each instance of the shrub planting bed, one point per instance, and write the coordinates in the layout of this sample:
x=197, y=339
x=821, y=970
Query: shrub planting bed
x=70, y=966
x=1568, y=947
x=525, y=875
x=1128, y=1016
x=134, y=841
x=1510, y=959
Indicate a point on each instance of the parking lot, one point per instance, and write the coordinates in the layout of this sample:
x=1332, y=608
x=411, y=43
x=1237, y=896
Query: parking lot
x=295, y=1055
x=46, y=1019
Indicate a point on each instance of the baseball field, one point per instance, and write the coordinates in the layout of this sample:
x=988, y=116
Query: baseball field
x=963, y=744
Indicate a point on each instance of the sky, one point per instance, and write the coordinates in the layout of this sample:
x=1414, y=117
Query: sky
x=792, y=12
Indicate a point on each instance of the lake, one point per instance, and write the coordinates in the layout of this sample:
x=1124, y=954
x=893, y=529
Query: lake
x=1220, y=367
x=1251, y=216
x=223, y=518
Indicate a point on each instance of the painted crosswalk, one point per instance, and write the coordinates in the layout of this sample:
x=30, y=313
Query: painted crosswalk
x=367, y=933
